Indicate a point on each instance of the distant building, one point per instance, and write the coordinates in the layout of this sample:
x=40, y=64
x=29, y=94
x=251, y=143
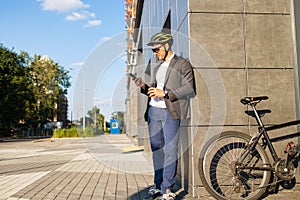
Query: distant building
x=61, y=110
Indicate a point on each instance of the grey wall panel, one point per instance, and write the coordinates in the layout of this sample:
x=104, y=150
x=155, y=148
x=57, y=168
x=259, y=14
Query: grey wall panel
x=222, y=36
x=278, y=84
x=269, y=41
x=267, y=6
x=234, y=82
x=216, y=5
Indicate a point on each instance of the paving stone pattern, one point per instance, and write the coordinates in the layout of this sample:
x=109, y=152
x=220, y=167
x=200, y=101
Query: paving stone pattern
x=82, y=168
x=86, y=168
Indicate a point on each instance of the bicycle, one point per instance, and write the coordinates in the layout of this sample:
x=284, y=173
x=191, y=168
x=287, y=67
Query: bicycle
x=234, y=165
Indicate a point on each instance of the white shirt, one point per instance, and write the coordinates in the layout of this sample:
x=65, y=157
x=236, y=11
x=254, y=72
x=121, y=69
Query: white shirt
x=160, y=80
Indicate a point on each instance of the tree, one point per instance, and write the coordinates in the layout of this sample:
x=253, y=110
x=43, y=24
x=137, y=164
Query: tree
x=16, y=95
x=49, y=82
x=97, y=117
x=30, y=89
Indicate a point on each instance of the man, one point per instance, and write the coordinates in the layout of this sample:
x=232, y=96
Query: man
x=171, y=87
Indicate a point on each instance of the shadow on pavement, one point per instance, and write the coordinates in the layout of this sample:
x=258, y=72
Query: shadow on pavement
x=143, y=194
x=22, y=139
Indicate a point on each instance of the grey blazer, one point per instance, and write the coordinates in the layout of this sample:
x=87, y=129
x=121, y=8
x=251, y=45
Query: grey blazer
x=181, y=87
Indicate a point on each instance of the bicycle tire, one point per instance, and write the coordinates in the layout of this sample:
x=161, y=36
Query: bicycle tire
x=218, y=178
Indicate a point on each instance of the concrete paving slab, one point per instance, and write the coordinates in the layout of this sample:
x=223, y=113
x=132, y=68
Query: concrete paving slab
x=80, y=168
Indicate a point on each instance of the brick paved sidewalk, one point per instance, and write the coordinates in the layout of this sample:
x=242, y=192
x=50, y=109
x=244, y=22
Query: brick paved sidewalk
x=89, y=168
x=86, y=168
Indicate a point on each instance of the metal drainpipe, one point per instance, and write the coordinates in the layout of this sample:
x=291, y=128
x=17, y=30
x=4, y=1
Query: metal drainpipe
x=193, y=165
x=191, y=131
x=296, y=41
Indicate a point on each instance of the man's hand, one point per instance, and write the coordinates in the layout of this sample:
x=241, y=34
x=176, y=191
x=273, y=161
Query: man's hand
x=139, y=82
x=155, y=92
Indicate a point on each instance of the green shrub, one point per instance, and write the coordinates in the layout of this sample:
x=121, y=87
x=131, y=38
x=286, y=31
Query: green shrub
x=76, y=132
x=72, y=132
x=88, y=132
x=60, y=133
x=57, y=133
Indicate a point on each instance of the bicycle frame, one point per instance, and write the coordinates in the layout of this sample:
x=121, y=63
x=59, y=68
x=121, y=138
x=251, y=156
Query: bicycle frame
x=252, y=173
x=263, y=131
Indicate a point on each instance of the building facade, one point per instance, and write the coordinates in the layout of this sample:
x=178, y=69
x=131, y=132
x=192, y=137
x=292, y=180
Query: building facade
x=238, y=48
x=61, y=110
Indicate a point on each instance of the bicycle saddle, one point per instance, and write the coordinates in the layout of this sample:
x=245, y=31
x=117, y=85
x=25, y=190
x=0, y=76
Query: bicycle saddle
x=248, y=100
x=261, y=113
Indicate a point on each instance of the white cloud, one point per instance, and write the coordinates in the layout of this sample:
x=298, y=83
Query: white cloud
x=71, y=7
x=76, y=16
x=92, y=23
x=62, y=5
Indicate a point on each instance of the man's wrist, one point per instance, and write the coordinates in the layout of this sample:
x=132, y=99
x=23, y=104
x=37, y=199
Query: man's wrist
x=166, y=94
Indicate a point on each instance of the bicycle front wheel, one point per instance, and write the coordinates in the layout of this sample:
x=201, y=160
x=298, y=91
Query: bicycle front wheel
x=218, y=170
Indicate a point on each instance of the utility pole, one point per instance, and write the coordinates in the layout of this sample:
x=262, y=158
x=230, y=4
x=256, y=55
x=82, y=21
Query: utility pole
x=95, y=115
x=83, y=125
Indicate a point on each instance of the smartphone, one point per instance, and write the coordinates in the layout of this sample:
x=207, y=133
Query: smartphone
x=132, y=75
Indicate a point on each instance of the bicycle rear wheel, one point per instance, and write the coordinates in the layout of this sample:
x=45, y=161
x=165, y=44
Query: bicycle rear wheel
x=217, y=168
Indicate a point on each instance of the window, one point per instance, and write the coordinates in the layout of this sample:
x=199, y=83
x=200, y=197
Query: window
x=167, y=24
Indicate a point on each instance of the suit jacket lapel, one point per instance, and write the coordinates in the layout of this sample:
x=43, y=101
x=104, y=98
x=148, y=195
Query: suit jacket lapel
x=153, y=77
x=172, y=63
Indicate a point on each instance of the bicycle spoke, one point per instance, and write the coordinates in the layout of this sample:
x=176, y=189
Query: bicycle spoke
x=220, y=175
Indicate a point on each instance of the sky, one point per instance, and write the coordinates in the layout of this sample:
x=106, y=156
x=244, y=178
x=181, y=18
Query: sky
x=86, y=37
